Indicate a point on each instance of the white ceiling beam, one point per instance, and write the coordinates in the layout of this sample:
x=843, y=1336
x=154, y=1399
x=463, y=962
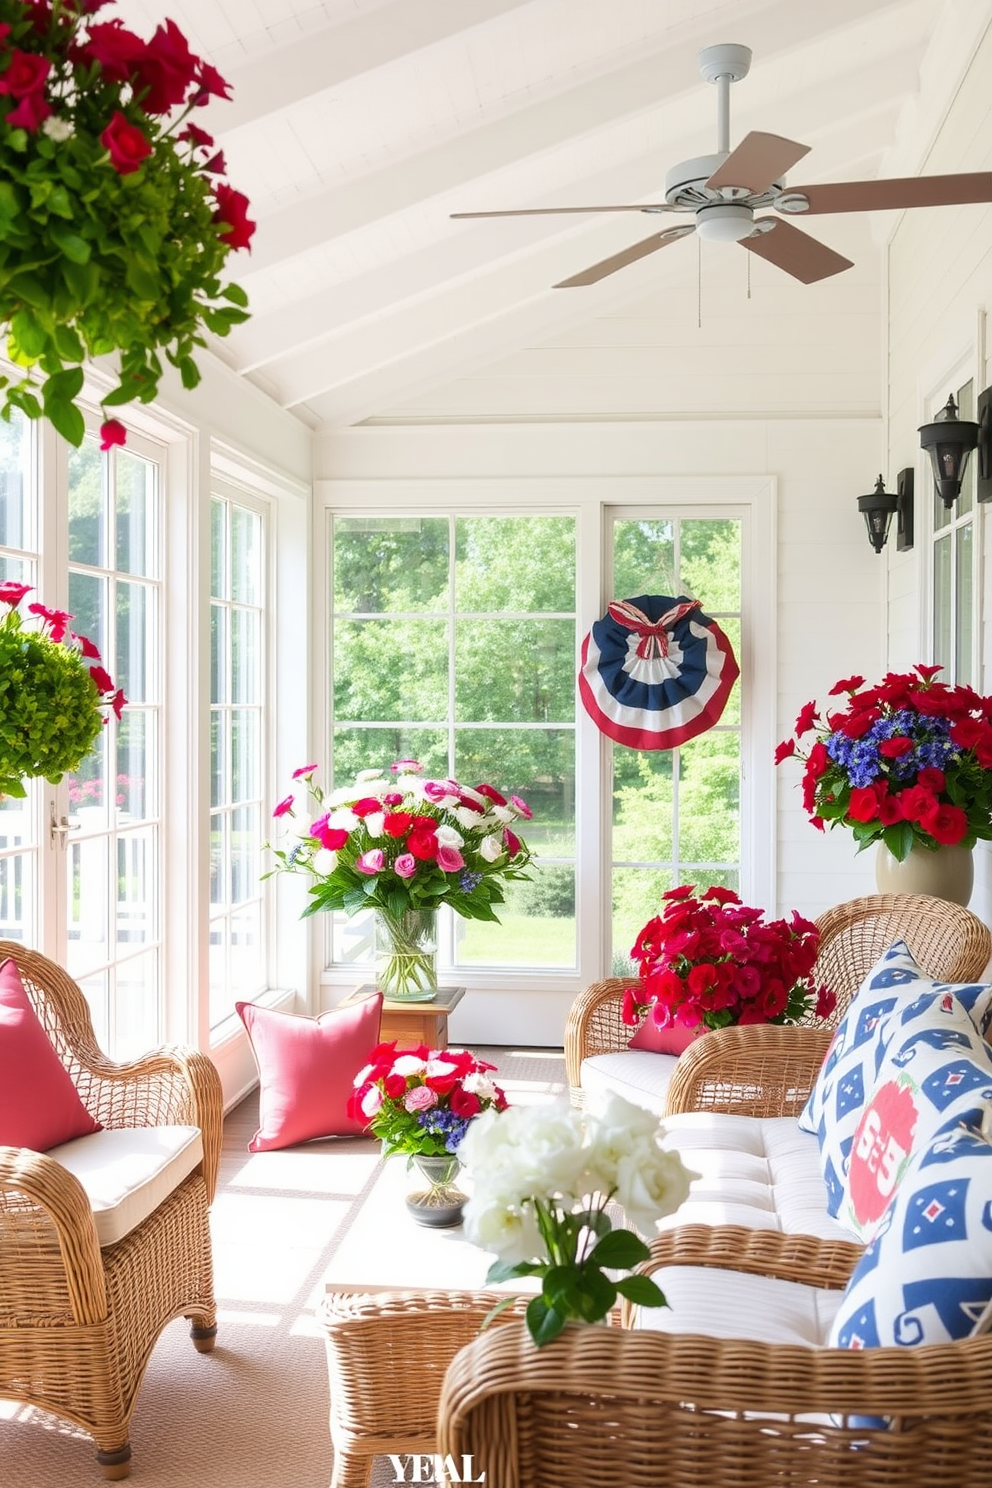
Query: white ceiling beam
x=660, y=76
x=323, y=59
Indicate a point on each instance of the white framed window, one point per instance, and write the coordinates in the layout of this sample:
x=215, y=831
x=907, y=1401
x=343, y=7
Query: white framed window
x=238, y=567
x=390, y=674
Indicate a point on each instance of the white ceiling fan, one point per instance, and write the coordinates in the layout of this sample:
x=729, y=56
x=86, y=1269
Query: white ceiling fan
x=723, y=191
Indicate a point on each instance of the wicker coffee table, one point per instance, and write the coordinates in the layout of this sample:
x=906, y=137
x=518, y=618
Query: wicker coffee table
x=401, y=1299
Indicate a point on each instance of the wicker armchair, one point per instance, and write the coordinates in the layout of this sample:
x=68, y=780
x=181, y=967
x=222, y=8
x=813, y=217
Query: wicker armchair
x=77, y=1322
x=612, y=1408
x=948, y=941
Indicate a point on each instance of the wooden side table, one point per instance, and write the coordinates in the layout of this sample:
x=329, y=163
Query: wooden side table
x=411, y=1023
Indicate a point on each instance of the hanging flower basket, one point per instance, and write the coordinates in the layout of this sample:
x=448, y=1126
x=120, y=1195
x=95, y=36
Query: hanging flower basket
x=115, y=220
x=54, y=694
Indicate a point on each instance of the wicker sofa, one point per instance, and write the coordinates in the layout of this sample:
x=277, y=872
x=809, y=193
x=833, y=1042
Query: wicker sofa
x=948, y=940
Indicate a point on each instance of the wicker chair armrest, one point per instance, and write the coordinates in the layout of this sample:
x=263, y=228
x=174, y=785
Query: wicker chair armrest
x=801, y=1258
x=758, y=1069
x=43, y=1207
x=649, y=1391
x=172, y=1086
x=594, y=1025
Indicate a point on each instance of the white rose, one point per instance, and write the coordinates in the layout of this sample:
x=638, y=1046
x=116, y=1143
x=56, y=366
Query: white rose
x=510, y=1232
x=530, y=1151
x=408, y=1064
x=502, y=814
x=374, y=823
x=324, y=861
x=650, y=1184
x=478, y=1083
x=369, y=775
x=614, y=1129
x=438, y=1068
x=448, y=837
x=490, y=848
x=474, y=795
x=466, y=817
x=341, y=796
x=345, y=819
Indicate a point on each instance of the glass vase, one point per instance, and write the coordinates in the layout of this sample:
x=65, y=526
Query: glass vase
x=434, y=1198
x=405, y=949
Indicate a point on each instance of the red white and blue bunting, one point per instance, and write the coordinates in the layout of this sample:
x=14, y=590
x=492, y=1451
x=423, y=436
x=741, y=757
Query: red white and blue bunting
x=656, y=671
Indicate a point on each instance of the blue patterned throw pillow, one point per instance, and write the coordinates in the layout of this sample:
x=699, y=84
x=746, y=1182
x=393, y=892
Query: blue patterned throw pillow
x=850, y=1069
x=926, y=1277
x=936, y=1070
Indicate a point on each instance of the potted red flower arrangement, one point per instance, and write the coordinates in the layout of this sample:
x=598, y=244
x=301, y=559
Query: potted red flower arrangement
x=709, y=961
x=907, y=763
x=420, y=1102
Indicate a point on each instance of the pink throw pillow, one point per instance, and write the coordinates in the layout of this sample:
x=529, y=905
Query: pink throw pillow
x=39, y=1104
x=306, y=1070
x=674, y=1039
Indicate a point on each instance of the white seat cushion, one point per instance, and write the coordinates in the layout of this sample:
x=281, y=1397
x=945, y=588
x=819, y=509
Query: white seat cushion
x=638, y=1075
x=733, y=1304
x=127, y=1173
x=758, y=1171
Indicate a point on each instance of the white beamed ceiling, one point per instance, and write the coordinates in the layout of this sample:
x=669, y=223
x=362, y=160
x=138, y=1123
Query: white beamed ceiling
x=358, y=126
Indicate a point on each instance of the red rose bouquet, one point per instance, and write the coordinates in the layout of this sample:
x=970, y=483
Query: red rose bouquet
x=710, y=961
x=420, y=1101
x=907, y=762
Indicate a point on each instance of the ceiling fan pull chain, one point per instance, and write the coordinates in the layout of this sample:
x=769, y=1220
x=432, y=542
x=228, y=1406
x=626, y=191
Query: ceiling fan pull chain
x=748, y=262
x=699, y=283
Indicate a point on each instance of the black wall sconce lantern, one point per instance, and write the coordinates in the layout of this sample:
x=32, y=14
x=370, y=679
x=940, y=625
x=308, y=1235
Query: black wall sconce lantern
x=881, y=506
x=983, y=411
x=949, y=441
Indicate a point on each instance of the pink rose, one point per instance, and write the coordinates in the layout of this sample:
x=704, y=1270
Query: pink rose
x=303, y=770
x=450, y=859
x=371, y=1101
x=284, y=806
x=405, y=865
x=371, y=862
x=521, y=808
x=420, y=1098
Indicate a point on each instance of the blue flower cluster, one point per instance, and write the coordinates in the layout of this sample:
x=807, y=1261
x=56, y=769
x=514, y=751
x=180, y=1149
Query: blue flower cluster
x=469, y=881
x=442, y=1123
x=932, y=749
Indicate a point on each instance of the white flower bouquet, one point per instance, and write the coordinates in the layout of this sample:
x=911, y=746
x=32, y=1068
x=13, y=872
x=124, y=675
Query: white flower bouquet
x=543, y=1176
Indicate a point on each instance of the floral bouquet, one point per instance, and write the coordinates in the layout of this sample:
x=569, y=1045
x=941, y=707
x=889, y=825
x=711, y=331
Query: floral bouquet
x=420, y=1101
x=543, y=1176
x=711, y=961
x=403, y=845
x=908, y=762
x=115, y=219
x=53, y=693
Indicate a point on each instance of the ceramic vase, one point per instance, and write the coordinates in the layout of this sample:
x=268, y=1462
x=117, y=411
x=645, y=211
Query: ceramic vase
x=434, y=1198
x=405, y=950
x=945, y=873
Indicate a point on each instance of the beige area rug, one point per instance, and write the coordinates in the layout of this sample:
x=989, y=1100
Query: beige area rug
x=253, y=1414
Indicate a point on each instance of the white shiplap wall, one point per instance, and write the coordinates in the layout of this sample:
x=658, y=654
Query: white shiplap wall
x=940, y=296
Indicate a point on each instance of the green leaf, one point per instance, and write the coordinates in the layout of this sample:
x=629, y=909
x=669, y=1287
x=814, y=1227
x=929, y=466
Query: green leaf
x=82, y=279
x=596, y=1293
x=642, y=1290
x=64, y=385
x=70, y=347
x=31, y=290
x=507, y=1270
x=75, y=248
x=620, y=1249
x=189, y=372
x=543, y=1322
x=142, y=278
x=10, y=208
x=235, y=294
x=28, y=334
x=67, y=419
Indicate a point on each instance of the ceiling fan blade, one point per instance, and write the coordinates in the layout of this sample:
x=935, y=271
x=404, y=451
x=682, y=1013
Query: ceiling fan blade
x=556, y=211
x=621, y=260
x=758, y=162
x=906, y=191
x=795, y=252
